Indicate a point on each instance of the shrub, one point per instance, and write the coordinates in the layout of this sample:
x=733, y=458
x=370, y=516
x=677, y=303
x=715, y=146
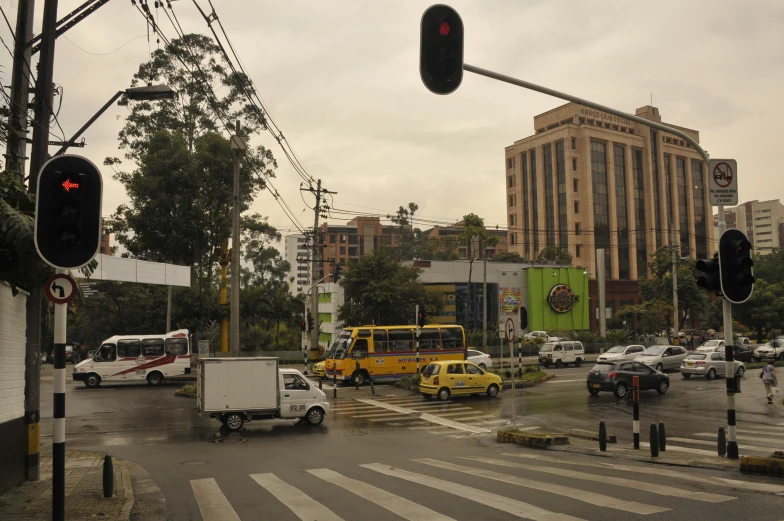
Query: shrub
x=532, y=369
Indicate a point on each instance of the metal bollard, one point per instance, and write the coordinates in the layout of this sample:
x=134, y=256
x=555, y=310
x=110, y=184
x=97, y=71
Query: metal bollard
x=602, y=437
x=334, y=384
x=108, y=476
x=320, y=383
x=654, y=441
x=662, y=438
x=372, y=388
x=722, y=442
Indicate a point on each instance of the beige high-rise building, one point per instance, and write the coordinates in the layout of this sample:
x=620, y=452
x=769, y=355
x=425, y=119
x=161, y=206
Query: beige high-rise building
x=588, y=180
x=761, y=221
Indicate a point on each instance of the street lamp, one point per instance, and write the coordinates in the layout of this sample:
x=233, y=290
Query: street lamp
x=147, y=93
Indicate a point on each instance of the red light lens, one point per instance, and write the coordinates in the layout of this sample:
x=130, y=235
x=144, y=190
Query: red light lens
x=68, y=184
x=444, y=29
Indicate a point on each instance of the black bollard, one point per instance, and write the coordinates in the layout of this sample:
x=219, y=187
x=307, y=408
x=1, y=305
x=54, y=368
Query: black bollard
x=108, y=477
x=334, y=384
x=319, y=383
x=602, y=437
x=662, y=438
x=372, y=388
x=722, y=442
x=654, y=441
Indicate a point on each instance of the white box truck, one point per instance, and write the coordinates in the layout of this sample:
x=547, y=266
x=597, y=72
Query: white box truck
x=238, y=390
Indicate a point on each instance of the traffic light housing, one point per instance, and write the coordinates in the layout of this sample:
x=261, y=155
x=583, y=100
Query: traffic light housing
x=523, y=318
x=736, y=266
x=441, y=49
x=336, y=274
x=709, y=277
x=303, y=325
x=68, y=211
x=310, y=322
x=422, y=316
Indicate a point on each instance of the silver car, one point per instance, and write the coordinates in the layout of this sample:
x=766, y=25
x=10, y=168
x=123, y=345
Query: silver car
x=663, y=357
x=711, y=346
x=621, y=353
x=709, y=365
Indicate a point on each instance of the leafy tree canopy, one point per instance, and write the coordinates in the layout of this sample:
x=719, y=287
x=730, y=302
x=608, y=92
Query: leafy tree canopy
x=555, y=254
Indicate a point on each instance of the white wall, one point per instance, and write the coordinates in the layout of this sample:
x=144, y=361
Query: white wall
x=13, y=326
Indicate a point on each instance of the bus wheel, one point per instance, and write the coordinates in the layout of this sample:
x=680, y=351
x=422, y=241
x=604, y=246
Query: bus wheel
x=93, y=380
x=155, y=378
x=359, y=378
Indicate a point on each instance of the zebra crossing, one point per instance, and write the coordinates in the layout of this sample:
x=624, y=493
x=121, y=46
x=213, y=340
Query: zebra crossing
x=524, y=485
x=753, y=440
x=414, y=413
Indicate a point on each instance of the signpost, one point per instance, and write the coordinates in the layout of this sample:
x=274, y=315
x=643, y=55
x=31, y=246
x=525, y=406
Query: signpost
x=723, y=182
x=509, y=330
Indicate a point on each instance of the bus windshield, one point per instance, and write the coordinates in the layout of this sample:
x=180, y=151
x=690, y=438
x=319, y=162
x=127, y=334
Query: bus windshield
x=339, y=348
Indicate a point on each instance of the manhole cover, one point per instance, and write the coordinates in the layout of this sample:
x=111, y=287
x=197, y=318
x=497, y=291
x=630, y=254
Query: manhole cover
x=193, y=463
x=231, y=440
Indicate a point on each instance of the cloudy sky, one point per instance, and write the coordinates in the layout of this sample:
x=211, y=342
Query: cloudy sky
x=341, y=79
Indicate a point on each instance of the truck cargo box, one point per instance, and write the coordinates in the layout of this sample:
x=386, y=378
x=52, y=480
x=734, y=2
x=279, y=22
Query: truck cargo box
x=238, y=384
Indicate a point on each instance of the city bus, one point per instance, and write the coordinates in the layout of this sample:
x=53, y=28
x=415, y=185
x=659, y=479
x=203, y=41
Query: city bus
x=389, y=352
x=139, y=358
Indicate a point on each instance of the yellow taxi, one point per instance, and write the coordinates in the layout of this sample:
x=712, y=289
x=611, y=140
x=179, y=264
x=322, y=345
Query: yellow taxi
x=320, y=369
x=449, y=377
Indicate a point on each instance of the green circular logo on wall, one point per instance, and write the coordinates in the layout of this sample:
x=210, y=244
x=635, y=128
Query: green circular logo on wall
x=562, y=298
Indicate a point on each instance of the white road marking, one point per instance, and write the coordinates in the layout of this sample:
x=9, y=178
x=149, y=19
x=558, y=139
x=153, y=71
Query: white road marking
x=428, y=417
x=745, y=438
x=382, y=414
x=303, y=506
x=701, y=452
x=395, y=504
x=715, y=444
x=484, y=420
x=213, y=505
x=621, y=482
x=504, y=504
x=592, y=498
x=658, y=471
x=397, y=417
x=430, y=426
x=461, y=414
x=775, y=433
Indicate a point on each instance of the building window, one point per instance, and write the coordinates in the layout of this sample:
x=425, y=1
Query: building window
x=511, y=219
x=622, y=219
x=574, y=143
x=526, y=197
x=574, y=164
x=511, y=181
x=577, y=249
x=510, y=163
x=670, y=217
x=577, y=207
x=342, y=238
x=512, y=200
x=683, y=205
x=534, y=203
x=560, y=168
x=332, y=250
x=601, y=203
x=332, y=237
x=342, y=250
x=512, y=239
x=576, y=184
x=639, y=214
x=656, y=198
x=577, y=229
x=549, y=203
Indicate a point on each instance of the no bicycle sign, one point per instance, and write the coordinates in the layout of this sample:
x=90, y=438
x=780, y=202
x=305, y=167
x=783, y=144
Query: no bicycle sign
x=723, y=182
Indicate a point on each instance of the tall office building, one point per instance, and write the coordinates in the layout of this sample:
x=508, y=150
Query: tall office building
x=588, y=180
x=295, y=248
x=761, y=221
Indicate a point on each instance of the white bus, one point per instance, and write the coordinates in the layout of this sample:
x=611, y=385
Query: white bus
x=135, y=358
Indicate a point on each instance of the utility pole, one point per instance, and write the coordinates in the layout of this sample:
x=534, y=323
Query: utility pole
x=675, y=313
x=16, y=145
x=38, y=156
x=238, y=146
x=484, y=306
x=314, y=333
x=225, y=258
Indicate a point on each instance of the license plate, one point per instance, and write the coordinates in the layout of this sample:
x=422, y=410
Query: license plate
x=689, y=364
x=595, y=386
x=140, y=372
x=295, y=407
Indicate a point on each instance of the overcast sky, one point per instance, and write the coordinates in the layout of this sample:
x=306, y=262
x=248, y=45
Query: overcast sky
x=342, y=81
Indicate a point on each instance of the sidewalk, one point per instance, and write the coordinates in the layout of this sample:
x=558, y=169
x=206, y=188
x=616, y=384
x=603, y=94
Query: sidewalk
x=136, y=496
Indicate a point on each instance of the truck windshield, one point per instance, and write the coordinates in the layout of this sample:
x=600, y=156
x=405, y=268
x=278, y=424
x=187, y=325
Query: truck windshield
x=546, y=348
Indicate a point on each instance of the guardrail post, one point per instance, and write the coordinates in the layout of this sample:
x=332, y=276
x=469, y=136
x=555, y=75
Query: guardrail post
x=636, y=411
x=722, y=442
x=602, y=437
x=654, y=441
x=662, y=438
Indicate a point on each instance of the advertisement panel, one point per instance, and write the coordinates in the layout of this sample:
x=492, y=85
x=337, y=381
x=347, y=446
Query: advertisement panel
x=557, y=299
x=508, y=301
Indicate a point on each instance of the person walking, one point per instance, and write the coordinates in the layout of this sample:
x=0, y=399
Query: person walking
x=769, y=379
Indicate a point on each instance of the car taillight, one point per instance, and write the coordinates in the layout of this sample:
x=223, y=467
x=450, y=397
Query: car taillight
x=701, y=362
x=611, y=375
x=435, y=380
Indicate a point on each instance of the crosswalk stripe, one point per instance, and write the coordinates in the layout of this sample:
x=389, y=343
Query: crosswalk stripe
x=505, y=504
x=382, y=414
x=429, y=417
x=659, y=471
x=459, y=413
x=744, y=438
x=394, y=418
x=213, y=505
x=305, y=507
x=764, y=433
x=481, y=420
x=352, y=408
x=621, y=482
x=395, y=504
x=431, y=427
x=715, y=444
x=592, y=498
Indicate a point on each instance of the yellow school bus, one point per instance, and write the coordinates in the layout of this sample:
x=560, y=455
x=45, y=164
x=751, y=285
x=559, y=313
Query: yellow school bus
x=389, y=352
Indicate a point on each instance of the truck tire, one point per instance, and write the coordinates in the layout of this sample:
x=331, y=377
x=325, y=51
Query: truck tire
x=315, y=416
x=155, y=378
x=234, y=421
x=92, y=380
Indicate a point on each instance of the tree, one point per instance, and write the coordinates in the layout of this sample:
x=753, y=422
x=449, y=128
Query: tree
x=473, y=236
x=379, y=290
x=554, y=253
x=507, y=256
x=652, y=315
x=770, y=267
x=269, y=268
x=763, y=311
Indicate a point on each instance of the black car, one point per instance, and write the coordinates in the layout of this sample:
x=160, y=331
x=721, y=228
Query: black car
x=616, y=377
x=71, y=354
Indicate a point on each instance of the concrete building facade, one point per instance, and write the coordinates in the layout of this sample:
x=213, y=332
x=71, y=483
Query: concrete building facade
x=588, y=180
x=761, y=221
x=296, y=247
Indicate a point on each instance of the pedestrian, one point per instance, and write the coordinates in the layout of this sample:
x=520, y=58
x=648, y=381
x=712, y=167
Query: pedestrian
x=769, y=380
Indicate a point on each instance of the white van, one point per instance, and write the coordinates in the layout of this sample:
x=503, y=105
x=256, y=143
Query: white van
x=129, y=358
x=562, y=353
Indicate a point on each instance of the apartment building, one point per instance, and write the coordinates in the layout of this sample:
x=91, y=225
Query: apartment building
x=761, y=221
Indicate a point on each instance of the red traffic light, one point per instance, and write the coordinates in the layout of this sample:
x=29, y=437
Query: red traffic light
x=444, y=29
x=68, y=184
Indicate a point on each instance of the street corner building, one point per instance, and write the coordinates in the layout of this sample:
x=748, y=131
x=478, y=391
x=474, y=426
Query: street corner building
x=587, y=181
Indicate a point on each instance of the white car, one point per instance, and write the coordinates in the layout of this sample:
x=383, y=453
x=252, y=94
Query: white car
x=621, y=353
x=479, y=358
x=710, y=346
x=767, y=350
x=544, y=335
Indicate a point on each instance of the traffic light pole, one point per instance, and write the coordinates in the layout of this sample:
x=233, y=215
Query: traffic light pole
x=732, y=443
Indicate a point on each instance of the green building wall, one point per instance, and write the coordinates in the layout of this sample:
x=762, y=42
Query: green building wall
x=541, y=317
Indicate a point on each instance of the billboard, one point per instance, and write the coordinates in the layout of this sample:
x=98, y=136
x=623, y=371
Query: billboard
x=557, y=299
x=508, y=301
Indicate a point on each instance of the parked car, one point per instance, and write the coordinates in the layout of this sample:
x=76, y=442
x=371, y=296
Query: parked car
x=449, y=377
x=743, y=341
x=617, y=378
x=709, y=365
x=710, y=346
x=743, y=353
x=479, y=358
x=663, y=357
x=544, y=335
x=768, y=350
x=561, y=353
x=71, y=354
x=620, y=353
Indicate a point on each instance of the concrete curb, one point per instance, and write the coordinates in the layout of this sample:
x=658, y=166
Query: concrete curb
x=772, y=466
x=529, y=383
x=590, y=435
x=184, y=394
x=534, y=441
x=694, y=462
x=144, y=499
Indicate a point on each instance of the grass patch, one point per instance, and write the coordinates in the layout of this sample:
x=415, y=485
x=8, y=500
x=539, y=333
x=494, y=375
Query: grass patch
x=187, y=389
x=760, y=365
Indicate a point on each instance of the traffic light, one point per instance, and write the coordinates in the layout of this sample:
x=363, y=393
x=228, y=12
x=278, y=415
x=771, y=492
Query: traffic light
x=336, y=274
x=310, y=322
x=422, y=316
x=736, y=266
x=303, y=326
x=709, y=279
x=441, y=49
x=523, y=318
x=68, y=211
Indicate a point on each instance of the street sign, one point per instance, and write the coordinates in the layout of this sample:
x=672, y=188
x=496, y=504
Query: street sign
x=60, y=288
x=509, y=329
x=92, y=289
x=723, y=182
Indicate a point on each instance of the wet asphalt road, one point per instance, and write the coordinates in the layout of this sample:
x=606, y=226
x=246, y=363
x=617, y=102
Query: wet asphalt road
x=164, y=434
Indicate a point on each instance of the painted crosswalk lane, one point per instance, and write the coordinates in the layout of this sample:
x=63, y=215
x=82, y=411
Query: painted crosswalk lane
x=432, y=489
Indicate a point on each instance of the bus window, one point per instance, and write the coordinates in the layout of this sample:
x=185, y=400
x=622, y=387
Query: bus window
x=380, y=341
x=360, y=348
x=452, y=337
x=176, y=346
x=363, y=333
x=152, y=347
x=429, y=339
x=106, y=353
x=401, y=339
x=129, y=348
